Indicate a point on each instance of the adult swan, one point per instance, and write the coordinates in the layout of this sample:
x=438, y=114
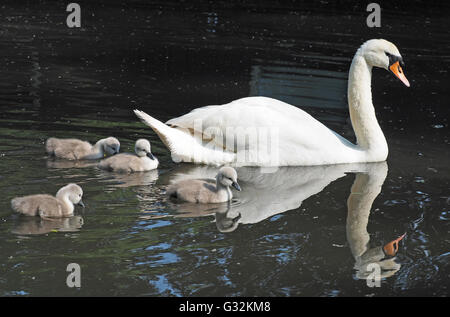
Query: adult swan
x=262, y=131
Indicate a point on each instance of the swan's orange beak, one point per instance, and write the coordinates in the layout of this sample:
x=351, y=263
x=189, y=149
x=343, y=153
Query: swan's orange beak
x=398, y=71
x=392, y=247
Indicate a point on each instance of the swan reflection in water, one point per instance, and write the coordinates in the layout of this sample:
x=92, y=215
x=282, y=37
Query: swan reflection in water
x=37, y=225
x=144, y=180
x=114, y=180
x=266, y=192
x=365, y=188
x=63, y=164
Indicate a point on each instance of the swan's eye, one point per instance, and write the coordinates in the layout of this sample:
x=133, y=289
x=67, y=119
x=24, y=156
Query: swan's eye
x=394, y=58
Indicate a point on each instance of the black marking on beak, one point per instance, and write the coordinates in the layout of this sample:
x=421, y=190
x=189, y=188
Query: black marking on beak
x=81, y=204
x=394, y=58
x=236, y=185
x=150, y=155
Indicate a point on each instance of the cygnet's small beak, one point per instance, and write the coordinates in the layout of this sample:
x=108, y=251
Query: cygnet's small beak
x=391, y=248
x=150, y=155
x=236, y=185
x=81, y=204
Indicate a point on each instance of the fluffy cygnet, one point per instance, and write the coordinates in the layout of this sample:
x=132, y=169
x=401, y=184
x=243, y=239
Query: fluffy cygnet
x=206, y=190
x=74, y=149
x=48, y=206
x=128, y=163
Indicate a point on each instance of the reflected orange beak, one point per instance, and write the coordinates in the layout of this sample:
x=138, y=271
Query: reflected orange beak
x=398, y=71
x=392, y=247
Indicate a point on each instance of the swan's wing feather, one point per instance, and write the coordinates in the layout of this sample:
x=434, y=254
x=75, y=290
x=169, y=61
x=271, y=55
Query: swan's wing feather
x=245, y=112
x=206, y=113
x=298, y=131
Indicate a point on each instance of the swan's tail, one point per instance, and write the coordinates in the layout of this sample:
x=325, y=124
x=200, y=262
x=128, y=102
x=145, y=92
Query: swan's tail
x=182, y=145
x=15, y=203
x=167, y=134
x=22, y=205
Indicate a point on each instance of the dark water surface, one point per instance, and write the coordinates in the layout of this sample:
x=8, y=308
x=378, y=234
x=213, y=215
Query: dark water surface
x=291, y=231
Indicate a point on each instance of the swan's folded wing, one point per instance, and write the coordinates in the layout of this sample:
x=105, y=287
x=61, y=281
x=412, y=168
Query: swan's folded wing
x=203, y=114
x=296, y=130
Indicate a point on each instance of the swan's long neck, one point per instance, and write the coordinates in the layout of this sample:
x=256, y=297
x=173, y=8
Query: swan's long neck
x=64, y=197
x=97, y=150
x=369, y=135
x=221, y=187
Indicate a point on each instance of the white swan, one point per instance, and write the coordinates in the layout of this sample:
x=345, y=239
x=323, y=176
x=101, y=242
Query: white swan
x=262, y=131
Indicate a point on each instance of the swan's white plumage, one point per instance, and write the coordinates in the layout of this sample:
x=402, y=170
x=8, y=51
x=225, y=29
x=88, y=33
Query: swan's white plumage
x=287, y=122
x=298, y=138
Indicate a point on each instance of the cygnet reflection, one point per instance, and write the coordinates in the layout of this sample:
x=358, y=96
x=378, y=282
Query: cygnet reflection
x=37, y=225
